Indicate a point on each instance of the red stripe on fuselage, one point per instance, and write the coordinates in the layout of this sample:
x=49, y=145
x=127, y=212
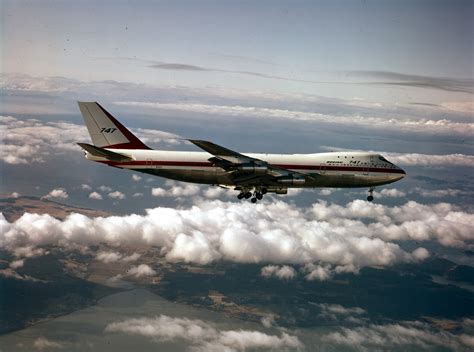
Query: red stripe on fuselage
x=284, y=166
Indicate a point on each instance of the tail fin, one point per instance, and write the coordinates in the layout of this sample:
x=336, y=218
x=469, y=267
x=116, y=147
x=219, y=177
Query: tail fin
x=105, y=130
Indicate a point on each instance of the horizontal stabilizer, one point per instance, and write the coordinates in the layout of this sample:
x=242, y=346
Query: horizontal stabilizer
x=104, y=153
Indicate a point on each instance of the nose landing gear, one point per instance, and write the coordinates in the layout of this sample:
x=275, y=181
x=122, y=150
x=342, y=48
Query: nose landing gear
x=371, y=194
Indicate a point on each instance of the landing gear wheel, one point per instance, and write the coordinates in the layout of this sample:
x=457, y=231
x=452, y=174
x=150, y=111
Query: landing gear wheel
x=264, y=191
x=253, y=200
x=247, y=195
x=240, y=196
x=371, y=194
x=259, y=195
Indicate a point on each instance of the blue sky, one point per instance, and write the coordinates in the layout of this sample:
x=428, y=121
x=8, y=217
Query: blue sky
x=330, y=43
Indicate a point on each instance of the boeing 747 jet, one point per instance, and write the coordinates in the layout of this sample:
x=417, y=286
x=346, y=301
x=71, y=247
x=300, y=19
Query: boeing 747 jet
x=252, y=174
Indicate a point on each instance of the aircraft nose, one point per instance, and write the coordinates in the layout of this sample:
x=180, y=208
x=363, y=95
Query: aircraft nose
x=401, y=174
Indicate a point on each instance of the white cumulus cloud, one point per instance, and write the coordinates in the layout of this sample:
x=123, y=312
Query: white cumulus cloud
x=204, y=336
x=86, y=187
x=42, y=343
x=398, y=336
x=283, y=272
x=57, y=193
x=95, y=195
x=325, y=239
x=184, y=190
x=141, y=270
x=116, y=195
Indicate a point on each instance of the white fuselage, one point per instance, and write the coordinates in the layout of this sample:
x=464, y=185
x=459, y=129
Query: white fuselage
x=336, y=169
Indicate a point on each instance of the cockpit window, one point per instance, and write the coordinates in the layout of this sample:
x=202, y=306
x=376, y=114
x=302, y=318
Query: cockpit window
x=384, y=160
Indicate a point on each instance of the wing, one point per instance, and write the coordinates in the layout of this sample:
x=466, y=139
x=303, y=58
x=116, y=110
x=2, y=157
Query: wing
x=246, y=170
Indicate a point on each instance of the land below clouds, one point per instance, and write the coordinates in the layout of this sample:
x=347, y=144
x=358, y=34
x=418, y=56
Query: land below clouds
x=59, y=282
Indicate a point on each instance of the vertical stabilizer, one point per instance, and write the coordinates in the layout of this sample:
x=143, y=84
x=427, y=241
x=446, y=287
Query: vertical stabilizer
x=105, y=130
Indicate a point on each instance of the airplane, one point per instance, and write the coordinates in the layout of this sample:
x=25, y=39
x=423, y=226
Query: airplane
x=253, y=175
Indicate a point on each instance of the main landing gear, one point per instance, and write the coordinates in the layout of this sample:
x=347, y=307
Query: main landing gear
x=257, y=194
x=371, y=194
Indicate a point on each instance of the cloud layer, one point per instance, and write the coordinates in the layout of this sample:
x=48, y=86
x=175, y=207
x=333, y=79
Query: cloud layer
x=399, y=336
x=420, y=125
x=31, y=140
x=203, y=336
x=324, y=239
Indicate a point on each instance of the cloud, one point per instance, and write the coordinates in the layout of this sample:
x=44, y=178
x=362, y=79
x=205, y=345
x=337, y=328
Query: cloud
x=419, y=125
x=326, y=192
x=179, y=67
x=318, y=272
x=203, y=336
x=216, y=192
x=28, y=252
x=136, y=177
x=108, y=257
x=30, y=140
x=104, y=188
x=116, y=195
x=283, y=272
x=15, y=195
x=141, y=270
x=95, y=195
x=17, y=263
x=42, y=343
x=113, y=257
x=138, y=194
x=465, y=106
x=12, y=274
x=325, y=239
x=176, y=190
x=390, y=192
x=338, y=313
x=442, y=222
x=431, y=160
x=187, y=67
x=439, y=193
x=86, y=187
x=418, y=81
x=57, y=193
x=398, y=336
x=154, y=137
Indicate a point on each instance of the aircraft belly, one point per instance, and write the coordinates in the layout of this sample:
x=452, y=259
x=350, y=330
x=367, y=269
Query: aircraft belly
x=350, y=180
x=219, y=176
x=193, y=176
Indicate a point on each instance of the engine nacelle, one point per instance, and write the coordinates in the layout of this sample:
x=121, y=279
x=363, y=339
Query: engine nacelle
x=277, y=190
x=291, y=180
x=253, y=168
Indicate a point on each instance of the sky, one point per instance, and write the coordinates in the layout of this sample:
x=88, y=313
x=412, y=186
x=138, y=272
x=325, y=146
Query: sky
x=344, y=49
x=395, y=77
